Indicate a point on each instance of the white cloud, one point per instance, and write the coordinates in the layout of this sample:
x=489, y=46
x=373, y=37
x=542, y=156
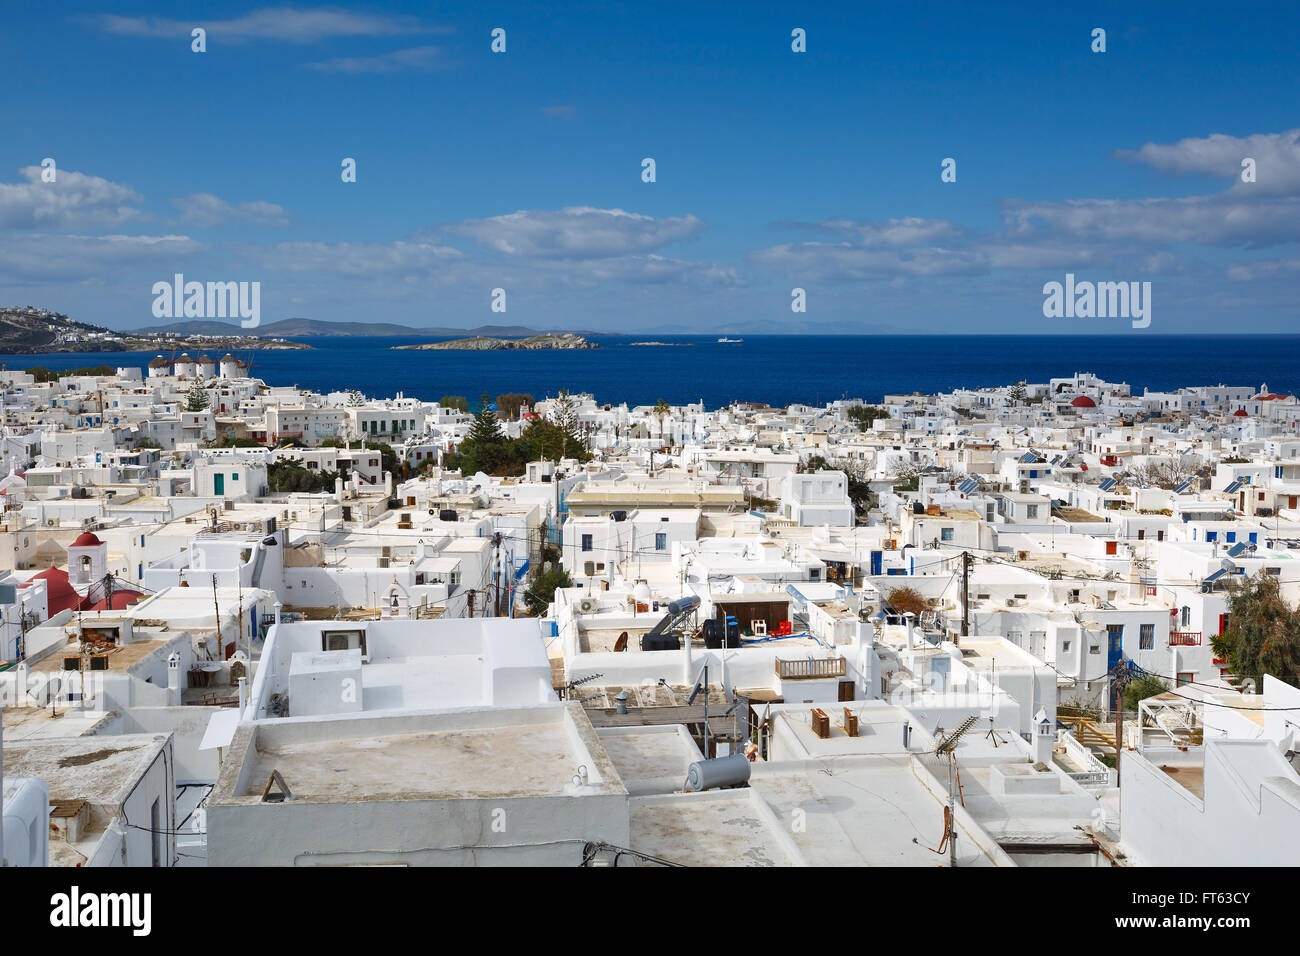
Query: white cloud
x=73, y=200
x=890, y=232
x=205, y=209
x=844, y=261
x=1276, y=155
x=641, y=270
x=1207, y=220
x=271, y=23
x=355, y=259
x=578, y=232
x=1264, y=268
x=34, y=257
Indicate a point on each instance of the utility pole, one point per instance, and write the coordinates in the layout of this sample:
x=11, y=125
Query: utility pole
x=1118, y=681
x=952, y=812
x=965, y=593
x=496, y=574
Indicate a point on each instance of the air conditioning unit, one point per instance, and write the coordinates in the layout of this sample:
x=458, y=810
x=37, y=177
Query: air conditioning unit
x=51, y=522
x=588, y=605
x=1012, y=602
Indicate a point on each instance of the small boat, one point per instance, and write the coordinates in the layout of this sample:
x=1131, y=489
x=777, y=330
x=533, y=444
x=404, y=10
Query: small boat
x=726, y=341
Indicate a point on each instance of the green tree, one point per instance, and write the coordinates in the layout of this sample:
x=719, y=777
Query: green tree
x=1017, y=392
x=572, y=442
x=196, y=399
x=1262, y=633
x=542, y=592
x=662, y=411
x=290, y=474
x=484, y=448
x=458, y=402
x=1139, y=689
x=864, y=415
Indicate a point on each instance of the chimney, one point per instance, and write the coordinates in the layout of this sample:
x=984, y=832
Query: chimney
x=911, y=619
x=173, y=680
x=1044, y=738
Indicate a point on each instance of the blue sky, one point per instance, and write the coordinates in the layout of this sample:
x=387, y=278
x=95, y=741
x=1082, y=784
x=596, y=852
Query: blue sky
x=775, y=169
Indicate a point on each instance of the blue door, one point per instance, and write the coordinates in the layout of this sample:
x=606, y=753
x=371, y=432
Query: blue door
x=1114, y=652
x=875, y=562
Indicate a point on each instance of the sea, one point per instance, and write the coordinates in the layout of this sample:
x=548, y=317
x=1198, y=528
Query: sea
x=776, y=369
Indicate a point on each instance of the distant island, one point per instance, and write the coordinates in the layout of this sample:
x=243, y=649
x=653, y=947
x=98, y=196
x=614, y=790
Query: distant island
x=485, y=343
x=28, y=330
x=320, y=328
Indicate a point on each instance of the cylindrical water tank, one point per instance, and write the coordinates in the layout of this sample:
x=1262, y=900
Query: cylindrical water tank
x=682, y=605
x=719, y=772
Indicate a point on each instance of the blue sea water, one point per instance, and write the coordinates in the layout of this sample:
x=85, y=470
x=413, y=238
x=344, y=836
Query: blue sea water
x=778, y=369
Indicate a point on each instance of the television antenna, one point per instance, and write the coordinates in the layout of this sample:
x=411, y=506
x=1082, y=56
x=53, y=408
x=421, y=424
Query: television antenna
x=947, y=747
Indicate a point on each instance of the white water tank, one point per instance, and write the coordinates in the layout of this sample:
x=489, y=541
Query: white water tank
x=26, y=822
x=730, y=771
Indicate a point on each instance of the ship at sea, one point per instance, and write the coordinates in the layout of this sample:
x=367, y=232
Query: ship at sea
x=726, y=341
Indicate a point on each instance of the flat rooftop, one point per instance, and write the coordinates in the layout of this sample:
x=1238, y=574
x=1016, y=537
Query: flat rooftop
x=650, y=759
x=487, y=753
x=101, y=770
x=715, y=828
x=872, y=811
x=119, y=659
x=31, y=723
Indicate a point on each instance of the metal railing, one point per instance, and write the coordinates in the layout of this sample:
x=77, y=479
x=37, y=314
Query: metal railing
x=811, y=669
x=1184, y=638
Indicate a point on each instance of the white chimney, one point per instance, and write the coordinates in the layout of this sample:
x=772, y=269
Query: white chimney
x=243, y=694
x=1044, y=739
x=173, y=680
x=910, y=618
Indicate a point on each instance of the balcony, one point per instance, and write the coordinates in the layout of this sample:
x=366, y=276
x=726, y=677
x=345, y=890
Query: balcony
x=1184, y=638
x=818, y=668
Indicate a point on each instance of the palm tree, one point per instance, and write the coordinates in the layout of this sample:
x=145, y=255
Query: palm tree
x=662, y=409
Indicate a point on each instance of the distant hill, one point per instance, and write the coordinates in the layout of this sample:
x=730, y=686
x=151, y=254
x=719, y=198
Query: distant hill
x=29, y=328
x=302, y=328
